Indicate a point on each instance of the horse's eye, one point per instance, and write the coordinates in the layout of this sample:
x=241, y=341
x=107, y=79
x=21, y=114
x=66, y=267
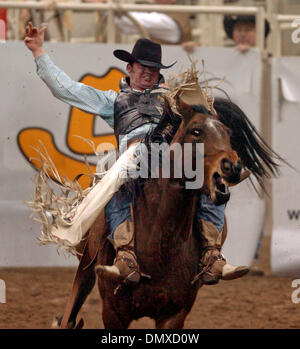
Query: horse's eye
x=196, y=132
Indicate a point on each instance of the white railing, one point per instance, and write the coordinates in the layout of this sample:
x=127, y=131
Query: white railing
x=279, y=22
x=111, y=7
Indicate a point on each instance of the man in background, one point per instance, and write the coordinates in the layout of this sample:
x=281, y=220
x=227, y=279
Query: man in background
x=163, y=28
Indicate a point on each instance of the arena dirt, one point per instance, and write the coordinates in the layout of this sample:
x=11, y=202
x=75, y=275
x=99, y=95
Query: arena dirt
x=35, y=295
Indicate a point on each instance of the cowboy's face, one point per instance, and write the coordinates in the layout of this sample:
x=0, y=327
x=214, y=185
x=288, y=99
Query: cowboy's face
x=142, y=77
x=244, y=34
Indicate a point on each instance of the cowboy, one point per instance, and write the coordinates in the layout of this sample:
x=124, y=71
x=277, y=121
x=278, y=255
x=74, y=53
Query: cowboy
x=132, y=113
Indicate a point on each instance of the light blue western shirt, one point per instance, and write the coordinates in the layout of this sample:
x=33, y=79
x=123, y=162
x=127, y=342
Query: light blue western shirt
x=84, y=97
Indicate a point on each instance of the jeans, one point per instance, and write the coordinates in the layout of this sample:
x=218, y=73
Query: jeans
x=117, y=211
x=208, y=211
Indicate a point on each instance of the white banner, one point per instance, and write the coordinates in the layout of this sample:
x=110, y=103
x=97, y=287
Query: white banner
x=30, y=113
x=285, y=256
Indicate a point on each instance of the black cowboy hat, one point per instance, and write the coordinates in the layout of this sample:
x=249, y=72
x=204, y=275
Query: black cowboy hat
x=145, y=52
x=230, y=21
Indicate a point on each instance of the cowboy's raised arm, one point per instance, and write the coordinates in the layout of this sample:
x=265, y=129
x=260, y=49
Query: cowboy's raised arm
x=79, y=95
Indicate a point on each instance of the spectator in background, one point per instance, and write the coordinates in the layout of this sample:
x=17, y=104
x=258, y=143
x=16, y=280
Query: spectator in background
x=241, y=29
x=163, y=28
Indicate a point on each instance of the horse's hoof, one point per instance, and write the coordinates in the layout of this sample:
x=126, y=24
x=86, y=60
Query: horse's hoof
x=56, y=322
x=79, y=324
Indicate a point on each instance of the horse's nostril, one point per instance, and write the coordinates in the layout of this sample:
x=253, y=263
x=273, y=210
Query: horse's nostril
x=226, y=166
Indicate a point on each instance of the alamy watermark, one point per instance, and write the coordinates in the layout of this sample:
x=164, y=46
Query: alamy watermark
x=162, y=160
x=2, y=291
x=2, y=31
x=295, y=294
x=296, y=33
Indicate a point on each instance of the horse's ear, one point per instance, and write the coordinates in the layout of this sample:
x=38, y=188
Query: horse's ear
x=185, y=110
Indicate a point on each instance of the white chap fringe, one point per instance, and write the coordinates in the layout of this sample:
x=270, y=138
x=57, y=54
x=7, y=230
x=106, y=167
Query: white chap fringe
x=67, y=212
x=55, y=201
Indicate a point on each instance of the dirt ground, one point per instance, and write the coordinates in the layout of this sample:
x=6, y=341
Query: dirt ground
x=35, y=295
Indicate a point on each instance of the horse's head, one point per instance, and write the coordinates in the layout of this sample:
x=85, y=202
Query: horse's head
x=222, y=166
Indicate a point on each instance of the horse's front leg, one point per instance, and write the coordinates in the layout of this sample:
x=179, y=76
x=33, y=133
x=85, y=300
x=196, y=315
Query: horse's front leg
x=114, y=318
x=83, y=284
x=172, y=323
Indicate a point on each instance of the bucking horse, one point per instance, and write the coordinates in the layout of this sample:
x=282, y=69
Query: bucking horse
x=166, y=244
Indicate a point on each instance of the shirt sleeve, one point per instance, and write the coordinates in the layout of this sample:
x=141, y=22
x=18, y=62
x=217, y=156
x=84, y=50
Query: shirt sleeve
x=158, y=25
x=77, y=94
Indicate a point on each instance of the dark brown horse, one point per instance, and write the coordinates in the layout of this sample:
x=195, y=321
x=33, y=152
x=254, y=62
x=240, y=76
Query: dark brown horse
x=163, y=213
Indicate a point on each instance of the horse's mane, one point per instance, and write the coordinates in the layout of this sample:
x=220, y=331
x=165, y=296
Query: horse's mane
x=254, y=152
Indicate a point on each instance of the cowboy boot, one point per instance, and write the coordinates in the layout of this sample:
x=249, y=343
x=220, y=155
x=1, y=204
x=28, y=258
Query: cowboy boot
x=125, y=265
x=213, y=265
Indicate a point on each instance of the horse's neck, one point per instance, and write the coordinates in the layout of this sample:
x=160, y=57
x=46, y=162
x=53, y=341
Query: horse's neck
x=169, y=213
x=177, y=206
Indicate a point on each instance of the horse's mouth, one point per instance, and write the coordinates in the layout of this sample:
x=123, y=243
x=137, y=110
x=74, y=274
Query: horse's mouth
x=221, y=190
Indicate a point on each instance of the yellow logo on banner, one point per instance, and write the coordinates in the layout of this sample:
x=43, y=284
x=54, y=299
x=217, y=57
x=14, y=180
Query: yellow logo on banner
x=80, y=124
